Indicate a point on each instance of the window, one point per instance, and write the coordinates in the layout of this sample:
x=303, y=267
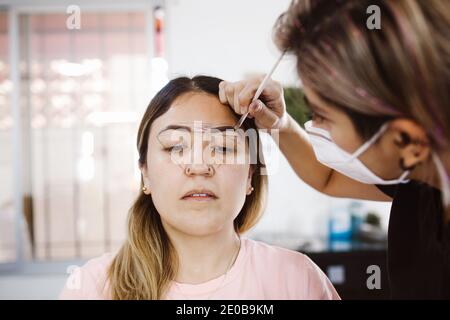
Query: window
x=7, y=218
x=82, y=95
x=87, y=90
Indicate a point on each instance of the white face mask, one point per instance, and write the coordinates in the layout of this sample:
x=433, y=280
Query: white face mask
x=329, y=154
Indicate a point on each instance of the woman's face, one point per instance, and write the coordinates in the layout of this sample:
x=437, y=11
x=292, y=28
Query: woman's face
x=382, y=158
x=193, y=197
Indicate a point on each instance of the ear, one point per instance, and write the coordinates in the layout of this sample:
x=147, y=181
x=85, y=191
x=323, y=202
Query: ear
x=411, y=141
x=145, y=178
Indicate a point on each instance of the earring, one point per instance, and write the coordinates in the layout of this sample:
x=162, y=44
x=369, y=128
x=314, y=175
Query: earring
x=144, y=189
x=251, y=190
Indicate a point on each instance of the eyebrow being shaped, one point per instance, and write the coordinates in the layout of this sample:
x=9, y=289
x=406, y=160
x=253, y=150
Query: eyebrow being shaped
x=189, y=129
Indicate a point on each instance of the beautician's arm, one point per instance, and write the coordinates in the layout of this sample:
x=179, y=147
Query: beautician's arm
x=270, y=112
x=298, y=151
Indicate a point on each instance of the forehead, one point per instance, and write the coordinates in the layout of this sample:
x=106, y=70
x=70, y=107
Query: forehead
x=193, y=107
x=316, y=103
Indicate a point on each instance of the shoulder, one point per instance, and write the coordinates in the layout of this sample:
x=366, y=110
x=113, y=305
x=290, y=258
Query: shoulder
x=262, y=250
x=292, y=270
x=274, y=256
x=88, y=281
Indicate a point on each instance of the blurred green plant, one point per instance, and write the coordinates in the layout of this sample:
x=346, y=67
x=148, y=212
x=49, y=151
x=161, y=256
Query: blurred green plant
x=295, y=105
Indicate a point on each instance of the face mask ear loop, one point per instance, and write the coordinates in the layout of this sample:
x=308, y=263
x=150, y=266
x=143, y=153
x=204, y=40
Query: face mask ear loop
x=445, y=185
x=402, y=178
x=369, y=143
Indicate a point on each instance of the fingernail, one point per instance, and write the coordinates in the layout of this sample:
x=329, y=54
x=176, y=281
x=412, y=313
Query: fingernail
x=256, y=106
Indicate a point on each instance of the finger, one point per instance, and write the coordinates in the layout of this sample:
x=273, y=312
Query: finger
x=246, y=95
x=264, y=117
x=236, y=102
x=273, y=89
x=229, y=94
x=222, y=96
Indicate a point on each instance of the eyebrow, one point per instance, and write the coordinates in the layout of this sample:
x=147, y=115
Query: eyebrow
x=313, y=106
x=189, y=129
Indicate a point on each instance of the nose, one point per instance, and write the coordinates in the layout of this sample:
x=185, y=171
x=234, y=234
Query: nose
x=199, y=169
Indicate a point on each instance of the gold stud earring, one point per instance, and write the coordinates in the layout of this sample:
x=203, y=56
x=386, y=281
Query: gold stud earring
x=144, y=189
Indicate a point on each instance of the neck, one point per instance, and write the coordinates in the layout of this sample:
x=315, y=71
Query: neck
x=203, y=258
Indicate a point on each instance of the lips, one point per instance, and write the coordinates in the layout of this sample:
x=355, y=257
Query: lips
x=199, y=194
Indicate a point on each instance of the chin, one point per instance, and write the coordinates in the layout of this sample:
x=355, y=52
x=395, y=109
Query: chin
x=202, y=229
x=199, y=226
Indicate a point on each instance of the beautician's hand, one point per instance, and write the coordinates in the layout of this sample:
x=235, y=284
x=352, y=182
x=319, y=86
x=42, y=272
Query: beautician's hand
x=269, y=110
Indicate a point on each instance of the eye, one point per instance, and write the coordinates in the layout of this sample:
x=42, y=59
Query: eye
x=221, y=149
x=177, y=147
x=317, y=117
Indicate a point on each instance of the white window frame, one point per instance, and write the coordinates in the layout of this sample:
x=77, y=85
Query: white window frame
x=15, y=8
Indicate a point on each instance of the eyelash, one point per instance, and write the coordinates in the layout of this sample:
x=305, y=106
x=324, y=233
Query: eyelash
x=224, y=149
x=316, y=117
x=170, y=149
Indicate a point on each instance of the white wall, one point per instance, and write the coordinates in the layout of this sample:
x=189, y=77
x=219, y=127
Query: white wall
x=230, y=39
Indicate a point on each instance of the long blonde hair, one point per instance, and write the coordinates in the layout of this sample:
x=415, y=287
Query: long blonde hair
x=147, y=261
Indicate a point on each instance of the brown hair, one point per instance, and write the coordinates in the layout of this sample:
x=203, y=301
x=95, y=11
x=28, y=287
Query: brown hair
x=400, y=70
x=147, y=261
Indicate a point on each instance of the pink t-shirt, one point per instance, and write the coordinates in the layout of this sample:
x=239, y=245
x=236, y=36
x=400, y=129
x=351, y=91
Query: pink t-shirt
x=260, y=272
